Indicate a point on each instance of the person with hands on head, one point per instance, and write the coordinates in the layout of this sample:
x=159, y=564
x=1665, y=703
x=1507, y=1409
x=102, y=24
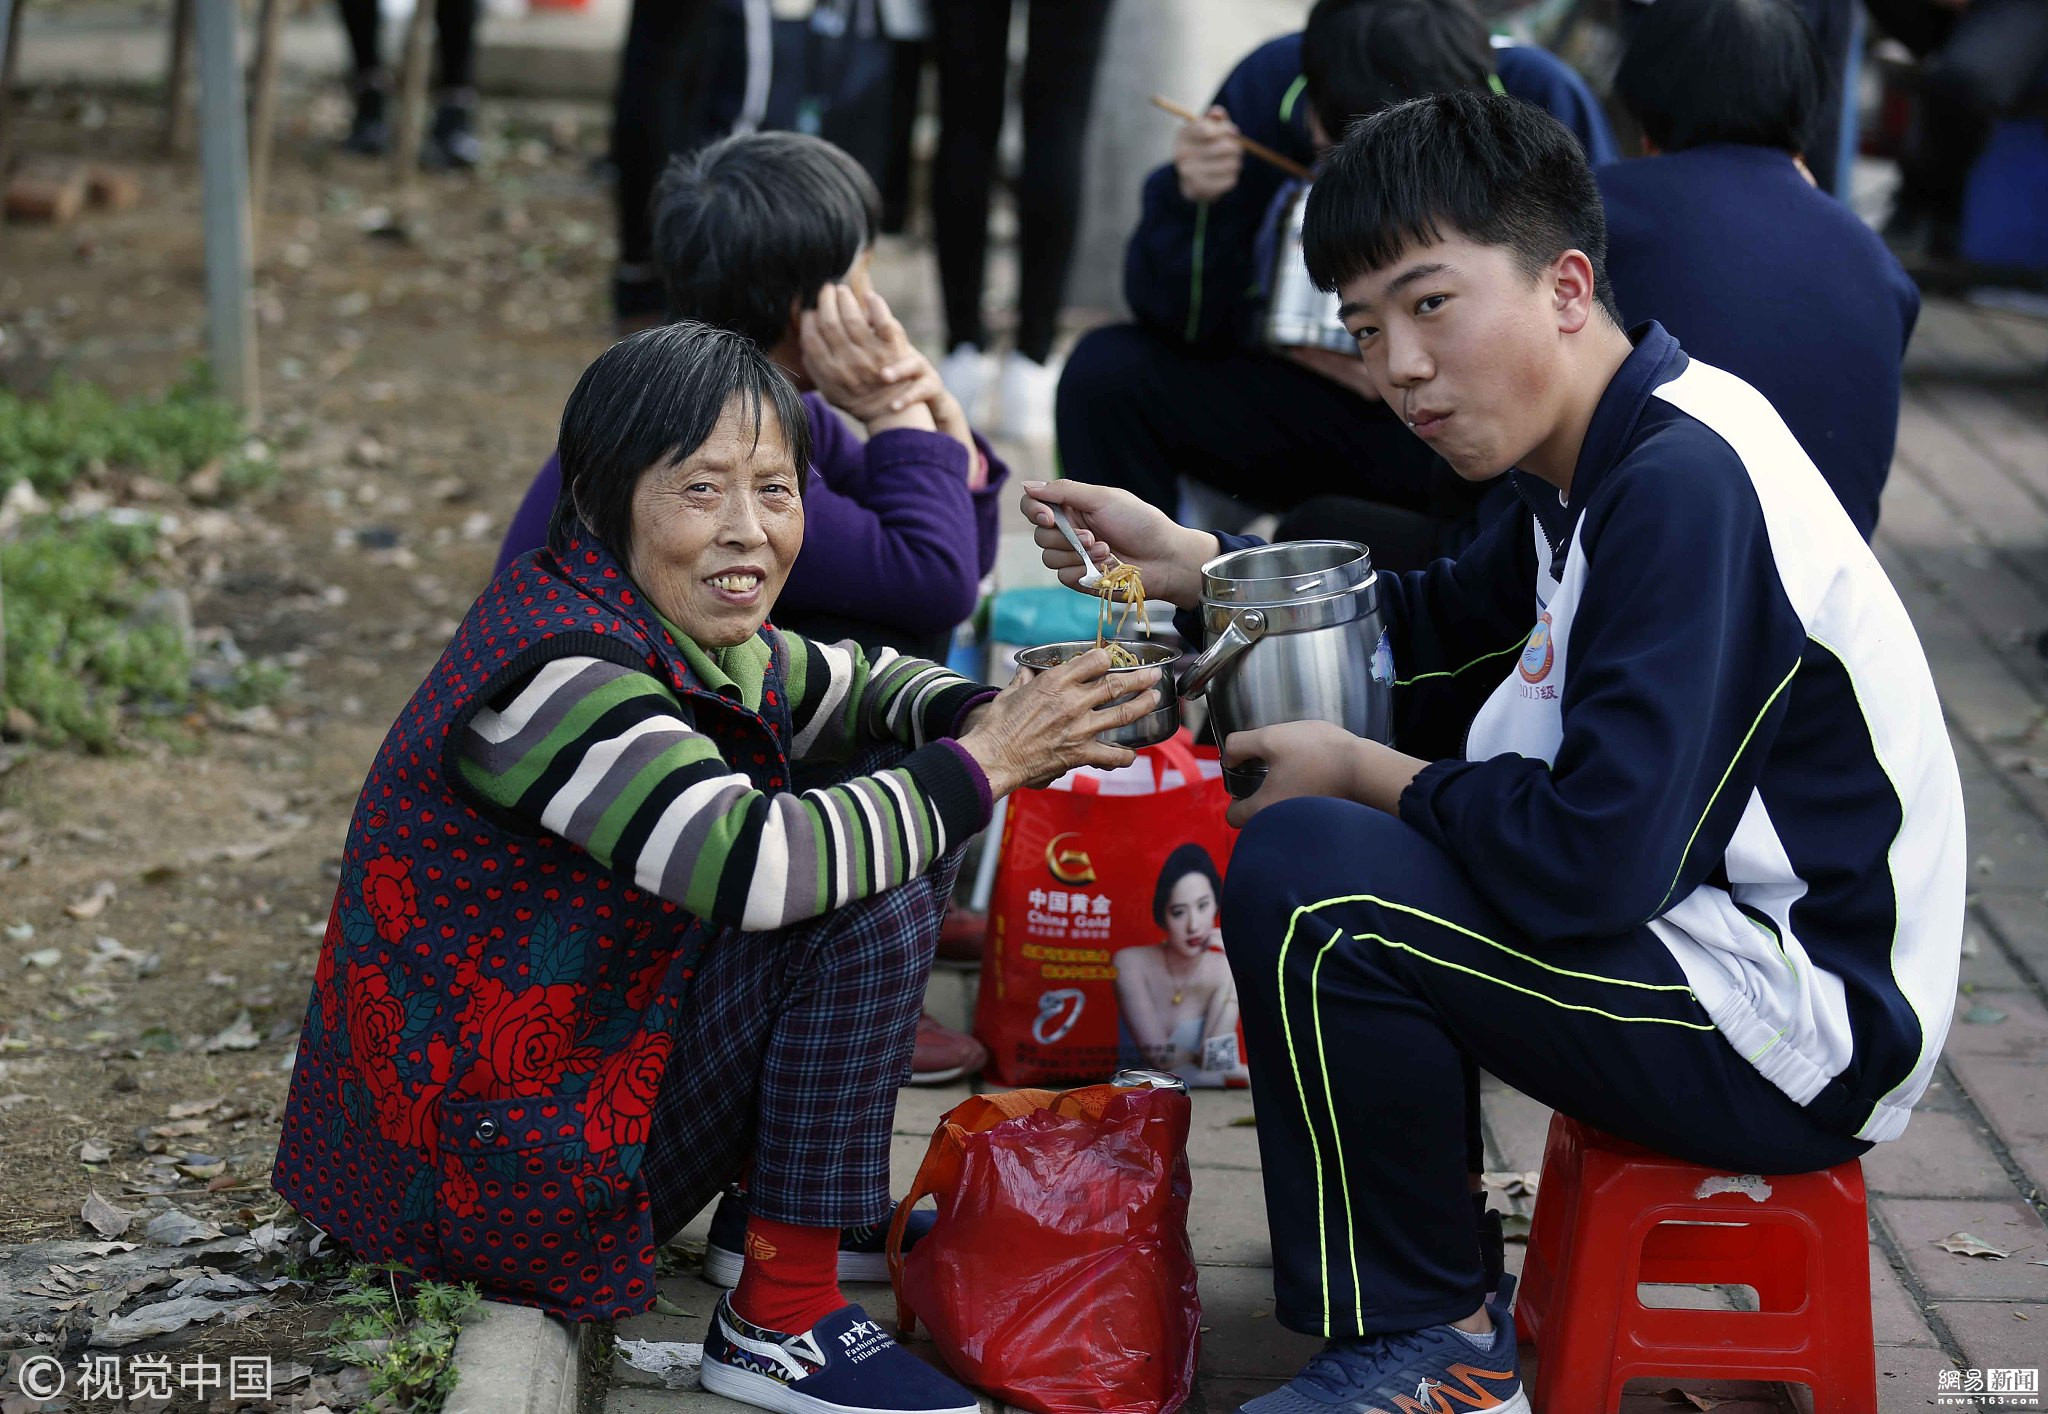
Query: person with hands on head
x=769, y=234
x=1669, y=836
x=597, y=953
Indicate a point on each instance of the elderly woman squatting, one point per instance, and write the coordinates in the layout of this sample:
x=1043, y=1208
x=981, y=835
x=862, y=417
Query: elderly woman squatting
x=592, y=956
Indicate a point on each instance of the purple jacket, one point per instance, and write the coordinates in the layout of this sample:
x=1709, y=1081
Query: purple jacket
x=891, y=532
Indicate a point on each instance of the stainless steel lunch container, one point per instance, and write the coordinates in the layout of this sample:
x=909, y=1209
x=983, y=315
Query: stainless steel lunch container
x=1149, y=730
x=1293, y=634
x=1299, y=315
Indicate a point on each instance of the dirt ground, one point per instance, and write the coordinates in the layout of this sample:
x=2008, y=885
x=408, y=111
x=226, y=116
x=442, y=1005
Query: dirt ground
x=410, y=387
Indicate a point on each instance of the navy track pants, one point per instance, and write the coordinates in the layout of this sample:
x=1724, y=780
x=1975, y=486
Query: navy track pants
x=1373, y=979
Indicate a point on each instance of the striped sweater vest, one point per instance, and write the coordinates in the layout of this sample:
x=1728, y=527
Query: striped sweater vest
x=492, y=1012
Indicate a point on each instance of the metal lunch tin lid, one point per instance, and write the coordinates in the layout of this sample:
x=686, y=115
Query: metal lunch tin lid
x=1286, y=572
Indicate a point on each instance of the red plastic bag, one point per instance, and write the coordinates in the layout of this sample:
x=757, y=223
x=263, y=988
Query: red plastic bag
x=1058, y=1276
x=1097, y=960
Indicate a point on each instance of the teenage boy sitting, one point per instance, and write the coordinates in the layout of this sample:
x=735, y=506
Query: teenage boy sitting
x=1726, y=93
x=1189, y=389
x=769, y=235
x=1670, y=837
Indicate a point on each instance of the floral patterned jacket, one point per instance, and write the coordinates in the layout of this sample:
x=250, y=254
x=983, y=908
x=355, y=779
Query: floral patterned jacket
x=492, y=1011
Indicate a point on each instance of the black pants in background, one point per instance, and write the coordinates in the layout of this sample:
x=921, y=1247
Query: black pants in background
x=662, y=76
x=454, y=34
x=1140, y=409
x=970, y=42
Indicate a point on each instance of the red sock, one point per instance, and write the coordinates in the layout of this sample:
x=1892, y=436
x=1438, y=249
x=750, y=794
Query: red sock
x=790, y=1280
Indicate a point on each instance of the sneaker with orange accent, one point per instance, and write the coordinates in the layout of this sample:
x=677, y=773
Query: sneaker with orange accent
x=1433, y=1371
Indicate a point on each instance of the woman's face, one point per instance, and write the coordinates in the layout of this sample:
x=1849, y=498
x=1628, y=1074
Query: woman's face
x=715, y=534
x=1190, y=915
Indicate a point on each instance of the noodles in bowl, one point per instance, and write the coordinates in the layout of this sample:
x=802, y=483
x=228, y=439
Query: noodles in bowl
x=1123, y=593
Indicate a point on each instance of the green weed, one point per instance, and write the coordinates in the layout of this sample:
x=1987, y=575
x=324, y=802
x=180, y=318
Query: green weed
x=75, y=656
x=405, y=1340
x=52, y=442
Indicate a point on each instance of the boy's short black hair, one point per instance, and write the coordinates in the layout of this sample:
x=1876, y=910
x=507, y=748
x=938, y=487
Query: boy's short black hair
x=1359, y=56
x=1735, y=71
x=1491, y=168
x=651, y=400
x=757, y=222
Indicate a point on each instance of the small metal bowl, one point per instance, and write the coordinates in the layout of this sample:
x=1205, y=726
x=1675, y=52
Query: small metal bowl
x=1149, y=730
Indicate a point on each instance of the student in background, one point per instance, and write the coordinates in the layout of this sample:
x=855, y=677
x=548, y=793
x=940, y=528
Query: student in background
x=1189, y=388
x=1719, y=235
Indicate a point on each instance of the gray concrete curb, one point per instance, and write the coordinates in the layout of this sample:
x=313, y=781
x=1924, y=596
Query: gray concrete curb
x=517, y=1360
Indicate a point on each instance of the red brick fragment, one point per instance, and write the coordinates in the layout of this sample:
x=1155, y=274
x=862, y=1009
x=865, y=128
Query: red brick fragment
x=46, y=193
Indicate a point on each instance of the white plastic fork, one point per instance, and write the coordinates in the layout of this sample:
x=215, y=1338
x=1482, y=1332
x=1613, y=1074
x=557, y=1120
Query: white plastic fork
x=1091, y=573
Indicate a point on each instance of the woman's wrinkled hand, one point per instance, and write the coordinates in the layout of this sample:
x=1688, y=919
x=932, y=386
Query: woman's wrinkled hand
x=1044, y=724
x=1112, y=520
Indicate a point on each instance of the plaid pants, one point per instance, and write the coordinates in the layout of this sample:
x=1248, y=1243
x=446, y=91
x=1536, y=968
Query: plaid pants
x=789, y=1051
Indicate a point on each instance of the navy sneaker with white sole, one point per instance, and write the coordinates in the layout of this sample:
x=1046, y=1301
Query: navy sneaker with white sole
x=863, y=1251
x=1433, y=1369
x=845, y=1364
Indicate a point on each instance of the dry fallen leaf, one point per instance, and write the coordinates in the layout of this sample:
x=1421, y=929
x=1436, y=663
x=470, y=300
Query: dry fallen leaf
x=185, y=1109
x=174, y=1227
x=92, y=1151
x=94, y=903
x=1964, y=1244
x=167, y=1316
x=104, y=1218
x=241, y=1036
x=1686, y=1399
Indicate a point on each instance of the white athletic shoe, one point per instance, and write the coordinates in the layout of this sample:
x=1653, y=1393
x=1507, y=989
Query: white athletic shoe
x=1025, y=398
x=967, y=373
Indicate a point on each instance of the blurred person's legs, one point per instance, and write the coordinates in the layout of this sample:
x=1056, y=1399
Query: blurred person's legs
x=906, y=87
x=662, y=73
x=1058, y=94
x=370, y=131
x=1140, y=410
x=970, y=44
x=1058, y=90
x=450, y=142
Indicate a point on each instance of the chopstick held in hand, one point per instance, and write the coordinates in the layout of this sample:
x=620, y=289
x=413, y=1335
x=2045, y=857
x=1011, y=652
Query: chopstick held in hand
x=1257, y=149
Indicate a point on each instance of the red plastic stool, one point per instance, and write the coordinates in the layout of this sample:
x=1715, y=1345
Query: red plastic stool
x=1610, y=1214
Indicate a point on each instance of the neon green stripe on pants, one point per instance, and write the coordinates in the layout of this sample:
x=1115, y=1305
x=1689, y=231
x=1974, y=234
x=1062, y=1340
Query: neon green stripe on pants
x=1321, y=1049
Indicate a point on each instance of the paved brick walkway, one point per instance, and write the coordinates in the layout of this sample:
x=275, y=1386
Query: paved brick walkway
x=1965, y=537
